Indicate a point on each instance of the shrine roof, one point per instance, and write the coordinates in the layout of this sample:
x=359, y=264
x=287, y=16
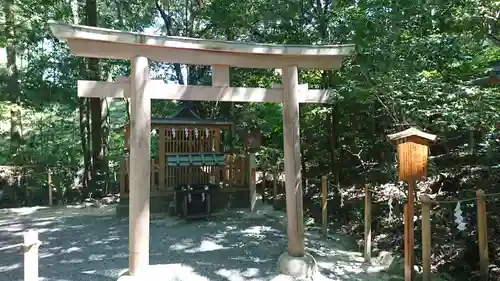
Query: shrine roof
x=412, y=132
x=187, y=116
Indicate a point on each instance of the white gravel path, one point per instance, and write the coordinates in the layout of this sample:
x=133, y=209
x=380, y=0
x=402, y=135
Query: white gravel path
x=91, y=244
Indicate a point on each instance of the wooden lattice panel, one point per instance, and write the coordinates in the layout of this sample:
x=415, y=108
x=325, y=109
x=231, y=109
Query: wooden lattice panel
x=235, y=173
x=412, y=158
x=253, y=139
x=180, y=139
x=191, y=139
x=188, y=139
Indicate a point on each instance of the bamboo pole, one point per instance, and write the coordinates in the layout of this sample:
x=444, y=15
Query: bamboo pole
x=30, y=249
x=482, y=233
x=368, y=224
x=426, y=238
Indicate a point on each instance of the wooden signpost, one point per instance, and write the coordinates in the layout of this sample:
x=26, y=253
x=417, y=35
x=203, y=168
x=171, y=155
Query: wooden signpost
x=253, y=140
x=413, y=153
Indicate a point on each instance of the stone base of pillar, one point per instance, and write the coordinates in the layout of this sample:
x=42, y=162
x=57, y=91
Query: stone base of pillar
x=297, y=267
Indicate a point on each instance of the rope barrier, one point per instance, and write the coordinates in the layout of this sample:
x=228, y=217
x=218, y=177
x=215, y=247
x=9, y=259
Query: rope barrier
x=464, y=200
x=486, y=195
x=374, y=192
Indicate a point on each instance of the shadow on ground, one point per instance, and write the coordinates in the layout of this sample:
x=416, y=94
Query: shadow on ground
x=89, y=247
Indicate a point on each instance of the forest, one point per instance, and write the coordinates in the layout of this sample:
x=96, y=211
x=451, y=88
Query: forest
x=416, y=64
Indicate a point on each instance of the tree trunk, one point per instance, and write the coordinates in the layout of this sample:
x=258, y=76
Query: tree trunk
x=13, y=86
x=83, y=120
x=95, y=107
x=167, y=21
x=83, y=114
x=105, y=144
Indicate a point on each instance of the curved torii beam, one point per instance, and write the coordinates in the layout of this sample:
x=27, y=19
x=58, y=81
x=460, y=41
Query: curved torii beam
x=139, y=48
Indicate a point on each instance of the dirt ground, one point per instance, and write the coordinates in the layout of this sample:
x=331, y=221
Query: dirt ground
x=92, y=244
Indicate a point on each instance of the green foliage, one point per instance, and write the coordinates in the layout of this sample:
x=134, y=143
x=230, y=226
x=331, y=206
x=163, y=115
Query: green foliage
x=413, y=66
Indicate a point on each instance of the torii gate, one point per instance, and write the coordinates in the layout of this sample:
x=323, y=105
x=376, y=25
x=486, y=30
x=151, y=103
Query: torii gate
x=95, y=42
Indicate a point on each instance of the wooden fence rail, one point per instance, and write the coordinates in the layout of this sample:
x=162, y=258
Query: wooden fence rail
x=323, y=181
x=426, y=203
x=482, y=235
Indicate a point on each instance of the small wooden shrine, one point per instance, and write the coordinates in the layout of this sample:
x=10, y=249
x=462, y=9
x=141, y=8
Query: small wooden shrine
x=189, y=150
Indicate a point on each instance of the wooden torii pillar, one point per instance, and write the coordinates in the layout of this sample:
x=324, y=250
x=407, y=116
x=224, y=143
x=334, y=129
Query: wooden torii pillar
x=139, y=49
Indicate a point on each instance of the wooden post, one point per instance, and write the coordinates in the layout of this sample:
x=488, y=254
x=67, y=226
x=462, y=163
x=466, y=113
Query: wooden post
x=220, y=77
x=293, y=171
x=413, y=151
x=408, y=260
x=368, y=224
x=482, y=235
x=162, y=175
x=49, y=183
x=140, y=167
x=252, y=189
x=263, y=182
x=426, y=238
x=324, y=205
x=275, y=186
x=409, y=231
x=30, y=249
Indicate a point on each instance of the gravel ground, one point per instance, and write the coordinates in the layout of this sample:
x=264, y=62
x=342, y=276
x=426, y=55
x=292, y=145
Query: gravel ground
x=91, y=244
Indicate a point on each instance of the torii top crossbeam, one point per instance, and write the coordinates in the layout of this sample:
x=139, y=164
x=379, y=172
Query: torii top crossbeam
x=96, y=42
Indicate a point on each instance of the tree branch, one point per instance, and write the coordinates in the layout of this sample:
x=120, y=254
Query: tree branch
x=168, y=28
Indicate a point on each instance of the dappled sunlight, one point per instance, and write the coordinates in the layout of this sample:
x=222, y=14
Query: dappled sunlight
x=75, y=247
x=249, y=274
x=72, y=250
x=25, y=210
x=257, y=231
x=70, y=261
x=5, y=268
x=189, y=247
x=14, y=227
x=177, y=271
x=45, y=255
x=233, y=246
x=252, y=259
x=97, y=257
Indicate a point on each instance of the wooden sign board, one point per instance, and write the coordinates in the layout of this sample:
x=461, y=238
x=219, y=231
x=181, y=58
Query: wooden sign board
x=413, y=153
x=253, y=140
